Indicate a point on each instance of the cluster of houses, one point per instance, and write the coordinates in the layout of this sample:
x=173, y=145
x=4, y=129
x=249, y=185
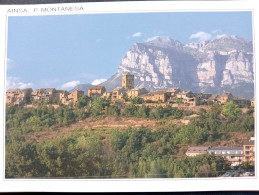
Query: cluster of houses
x=126, y=91
x=173, y=95
x=235, y=155
x=49, y=95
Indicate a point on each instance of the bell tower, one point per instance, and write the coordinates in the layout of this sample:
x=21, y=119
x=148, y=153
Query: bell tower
x=128, y=81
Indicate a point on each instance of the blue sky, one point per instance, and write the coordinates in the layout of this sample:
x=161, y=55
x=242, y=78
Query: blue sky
x=64, y=50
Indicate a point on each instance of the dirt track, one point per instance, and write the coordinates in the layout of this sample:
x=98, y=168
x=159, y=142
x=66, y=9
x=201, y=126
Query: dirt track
x=91, y=123
x=235, y=138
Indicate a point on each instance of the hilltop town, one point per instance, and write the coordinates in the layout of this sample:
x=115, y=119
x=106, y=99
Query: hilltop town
x=194, y=138
x=174, y=96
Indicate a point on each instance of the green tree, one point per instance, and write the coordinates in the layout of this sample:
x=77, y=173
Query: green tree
x=215, y=110
x=191, y=134
x=142, y=111
x=130, y=110
x=21, y=161
x=112, y=111
x=231, y=111
x=82, y=101
x=137, y=100
x=118, y=139
x=98, y=105
x=157, y=113
x=204, y=170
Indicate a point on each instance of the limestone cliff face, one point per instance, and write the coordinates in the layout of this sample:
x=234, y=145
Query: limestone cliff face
x=239, y=68
x=148, y=65
x=224, y=63
x=220, y=70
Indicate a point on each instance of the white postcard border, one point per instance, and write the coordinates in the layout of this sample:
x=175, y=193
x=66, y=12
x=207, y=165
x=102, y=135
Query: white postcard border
x=121, y=185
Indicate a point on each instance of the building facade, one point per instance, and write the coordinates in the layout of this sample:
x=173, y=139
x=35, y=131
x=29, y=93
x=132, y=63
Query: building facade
x=241, y=102
x=60, y=95
x=197, y=150
x=18, y=96
x=128, y=81
x=213, y=99
x=249, y=150
x=133, y=93
x=96, y=91
x=43, y=95
x=203, y=98
x=233, y=154
x=226, y=97
x=118, y=93
x=107, y=95
x=75, y=95
x=156, y=96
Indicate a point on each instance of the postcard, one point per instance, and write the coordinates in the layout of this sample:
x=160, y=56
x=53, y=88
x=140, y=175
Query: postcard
x=129, y=96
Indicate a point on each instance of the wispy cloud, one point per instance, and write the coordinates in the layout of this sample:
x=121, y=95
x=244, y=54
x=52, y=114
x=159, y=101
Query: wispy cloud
x=15, y=82
x=98, y=81
x=201, y=36
x=98, y=40
x=221, y=36
x=151, y=38
x=9, y=63
x=137, y=34
x=216, y=31
x=70, y=85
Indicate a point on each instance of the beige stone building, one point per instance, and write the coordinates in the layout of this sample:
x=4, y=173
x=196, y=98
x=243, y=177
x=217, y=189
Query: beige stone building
x=249, y=150
x=173, y=92
x=65, y=98
x=156, y=96
x=60, y=95
x=188, y=98
x=118, y=93
x=133, y=93
x=128, y=81
x=184, y=95
x=43, y=95
x=202, y=98
x=214, y=99
x=225, y=97
x=75, y=95
x=18, y=96
x=196, y=150
x=96, y=91
x=107, y=95
x=190, y=101
x=233, y=154
x=241, y=102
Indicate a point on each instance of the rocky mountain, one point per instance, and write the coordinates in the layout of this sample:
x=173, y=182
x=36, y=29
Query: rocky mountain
x=222, y=64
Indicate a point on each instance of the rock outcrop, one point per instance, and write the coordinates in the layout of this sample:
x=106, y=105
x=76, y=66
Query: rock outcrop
x=225, y=63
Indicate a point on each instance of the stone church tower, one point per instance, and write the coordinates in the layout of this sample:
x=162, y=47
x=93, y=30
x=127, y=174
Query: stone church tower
x=128, y=81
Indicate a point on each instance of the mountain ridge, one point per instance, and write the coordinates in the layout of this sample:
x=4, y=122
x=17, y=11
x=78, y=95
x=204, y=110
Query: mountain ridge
x=221, y=64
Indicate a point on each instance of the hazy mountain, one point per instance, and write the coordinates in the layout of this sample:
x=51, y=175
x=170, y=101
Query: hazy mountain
x=222, y=64
x=83, y=87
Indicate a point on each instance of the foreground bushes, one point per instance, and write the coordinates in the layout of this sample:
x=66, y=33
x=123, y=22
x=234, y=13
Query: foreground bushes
x=114, y=154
